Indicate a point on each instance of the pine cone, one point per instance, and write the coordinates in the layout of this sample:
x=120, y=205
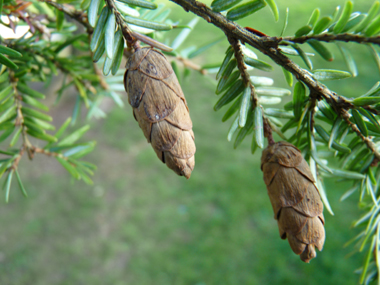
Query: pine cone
x=295, y=199
x=160, y=108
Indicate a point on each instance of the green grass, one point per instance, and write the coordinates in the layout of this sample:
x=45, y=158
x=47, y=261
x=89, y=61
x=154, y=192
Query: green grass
x=142, y=224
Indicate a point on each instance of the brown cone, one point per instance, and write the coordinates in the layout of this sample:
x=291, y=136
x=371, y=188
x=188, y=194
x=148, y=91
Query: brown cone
x=160, y=108
x=295, y=199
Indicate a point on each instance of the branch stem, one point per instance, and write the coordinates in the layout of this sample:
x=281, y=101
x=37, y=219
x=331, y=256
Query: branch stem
x=243, y=69
x=127, y=32
x=70, y=11
x=189, y=64
x=268, y=132
x=360, y=39
x=370, y=144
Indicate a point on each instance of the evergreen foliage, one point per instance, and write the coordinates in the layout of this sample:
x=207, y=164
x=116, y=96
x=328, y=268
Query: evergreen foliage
x=326, y=127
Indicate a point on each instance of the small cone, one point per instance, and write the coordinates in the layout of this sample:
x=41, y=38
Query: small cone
x=295, y=199
x=160, y=108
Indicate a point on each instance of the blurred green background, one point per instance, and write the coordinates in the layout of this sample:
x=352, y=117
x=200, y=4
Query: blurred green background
x=142, y=224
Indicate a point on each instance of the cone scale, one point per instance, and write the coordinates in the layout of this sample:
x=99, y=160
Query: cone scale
x=160, y=108
x=295, y=199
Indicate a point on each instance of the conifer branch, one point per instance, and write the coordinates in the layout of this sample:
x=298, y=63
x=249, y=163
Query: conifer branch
x=360, y=39
x=270, y=47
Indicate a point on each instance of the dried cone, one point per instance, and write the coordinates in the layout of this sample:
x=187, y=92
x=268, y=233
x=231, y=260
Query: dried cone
x=295, y=199
x=160, y=108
